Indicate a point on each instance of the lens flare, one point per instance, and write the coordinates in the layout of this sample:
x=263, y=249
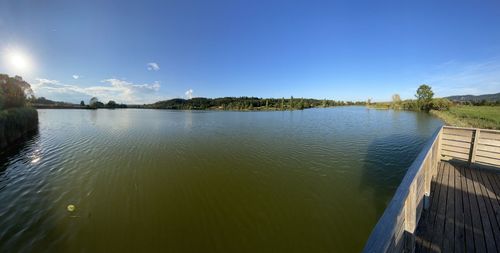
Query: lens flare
x=17, y=61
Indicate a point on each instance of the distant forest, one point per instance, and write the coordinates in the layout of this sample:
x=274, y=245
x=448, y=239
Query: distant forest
x=247, y=103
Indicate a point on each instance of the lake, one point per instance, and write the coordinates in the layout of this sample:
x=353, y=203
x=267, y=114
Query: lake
x=315, y=180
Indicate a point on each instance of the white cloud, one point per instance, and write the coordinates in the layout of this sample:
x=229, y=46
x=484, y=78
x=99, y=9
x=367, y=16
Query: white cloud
x=189, y=93
x=118, y=90
x=457, y=78
x=75, y=76
x=153, y=66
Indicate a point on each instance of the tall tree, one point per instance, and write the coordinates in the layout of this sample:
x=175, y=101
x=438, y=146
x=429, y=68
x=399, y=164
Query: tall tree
x=424, y=97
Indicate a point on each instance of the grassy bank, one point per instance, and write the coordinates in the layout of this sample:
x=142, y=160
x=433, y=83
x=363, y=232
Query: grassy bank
x=471, y=116
x=15, y=123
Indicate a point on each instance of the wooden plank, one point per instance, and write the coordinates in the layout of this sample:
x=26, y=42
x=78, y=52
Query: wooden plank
x=422, y=231
x=427, y=225
x=459, y=213
x=455, y=154
x=468, y=227
x=488, y=154
x=493, y=149
x=495, y=184
x=439, y=224
x=456, y=149
x=484, y=212
x=449, y=224
x=410, y=208
x=455, y=144
x=489, y=142
x=457, y=138
x=495, y=206
x=487, y=160
x=460, y=132
x=490, y=135
x=477, y=227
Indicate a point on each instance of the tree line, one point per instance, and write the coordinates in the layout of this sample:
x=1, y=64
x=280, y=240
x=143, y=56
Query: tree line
x=424, y=101
x=247, y=103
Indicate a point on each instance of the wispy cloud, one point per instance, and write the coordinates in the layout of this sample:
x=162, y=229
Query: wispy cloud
x=153, y=66
x=458, y=78
x=113, y=89
x=75, y=76
x=189, y=93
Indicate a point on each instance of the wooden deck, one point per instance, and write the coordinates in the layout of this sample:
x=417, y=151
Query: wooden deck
x=446, y=207
x=464, y=212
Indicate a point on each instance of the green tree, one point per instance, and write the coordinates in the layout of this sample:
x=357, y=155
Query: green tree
x=282, y=103
x=111, y=104
x=12, y=91
x=424, y=97
x=82, y=103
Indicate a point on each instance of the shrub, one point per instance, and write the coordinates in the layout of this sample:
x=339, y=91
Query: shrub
x=441, y=104
x=15, y=122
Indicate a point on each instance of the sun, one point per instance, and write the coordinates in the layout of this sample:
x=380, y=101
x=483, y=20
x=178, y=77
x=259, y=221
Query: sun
x=18, y=61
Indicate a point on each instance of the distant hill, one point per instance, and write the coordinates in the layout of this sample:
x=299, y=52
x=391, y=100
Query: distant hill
x=472, y=98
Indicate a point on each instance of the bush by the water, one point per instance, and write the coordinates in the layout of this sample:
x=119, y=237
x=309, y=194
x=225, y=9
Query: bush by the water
x=16, y=119
x=16, y=122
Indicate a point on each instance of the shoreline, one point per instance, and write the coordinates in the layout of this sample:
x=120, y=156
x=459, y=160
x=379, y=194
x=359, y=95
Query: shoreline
x=473, y=117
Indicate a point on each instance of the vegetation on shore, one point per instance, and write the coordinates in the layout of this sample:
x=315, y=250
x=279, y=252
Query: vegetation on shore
x=94, y=103
x=471, y=116
x=16, y=118
x=15, y=114
x=247, y=103
x=463, y=113
x=424, y=101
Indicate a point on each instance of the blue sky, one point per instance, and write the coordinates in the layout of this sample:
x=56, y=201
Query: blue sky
x=144, y=51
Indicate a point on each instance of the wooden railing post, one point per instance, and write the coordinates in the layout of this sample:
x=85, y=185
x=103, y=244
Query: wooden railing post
x=428, y=166
x=472, y=158
x=439, y=141
x=411, y=217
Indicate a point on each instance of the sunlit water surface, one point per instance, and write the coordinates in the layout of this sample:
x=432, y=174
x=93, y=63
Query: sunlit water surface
x=204, y=181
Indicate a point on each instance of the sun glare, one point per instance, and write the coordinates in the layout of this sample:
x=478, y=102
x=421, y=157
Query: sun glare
x=18, y=61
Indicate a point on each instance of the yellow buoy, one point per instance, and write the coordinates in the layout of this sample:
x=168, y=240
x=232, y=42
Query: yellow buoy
x=71, y=208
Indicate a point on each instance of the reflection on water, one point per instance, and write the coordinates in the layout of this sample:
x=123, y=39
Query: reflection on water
x=201, y=181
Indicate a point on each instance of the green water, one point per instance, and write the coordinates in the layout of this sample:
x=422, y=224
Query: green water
x=204, y=181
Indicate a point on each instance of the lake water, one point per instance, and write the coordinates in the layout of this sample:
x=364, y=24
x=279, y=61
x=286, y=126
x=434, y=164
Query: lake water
x=205, y=181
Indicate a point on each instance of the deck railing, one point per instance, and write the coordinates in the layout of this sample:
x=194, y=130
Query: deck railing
x=395, y=230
